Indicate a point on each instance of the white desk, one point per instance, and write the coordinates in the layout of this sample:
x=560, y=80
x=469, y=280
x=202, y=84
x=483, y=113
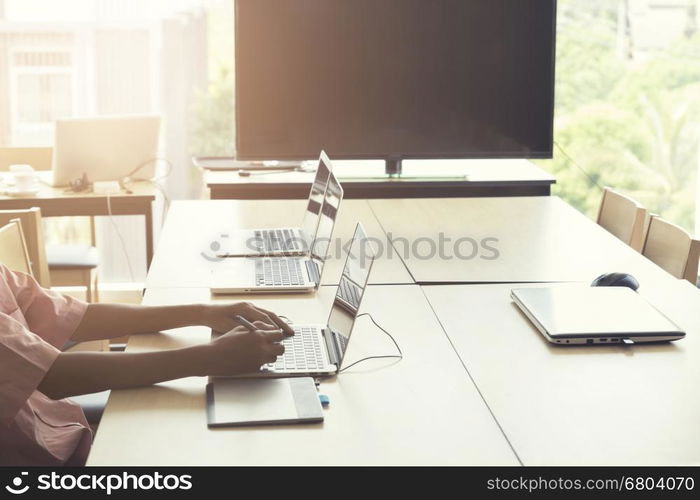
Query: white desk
x=570, y=405
x=539, y=239
x=421, y=410
x=192, y=226
x=556, y=405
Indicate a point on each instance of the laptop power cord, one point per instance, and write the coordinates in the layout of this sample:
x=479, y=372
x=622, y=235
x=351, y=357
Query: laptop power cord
x=398, y=356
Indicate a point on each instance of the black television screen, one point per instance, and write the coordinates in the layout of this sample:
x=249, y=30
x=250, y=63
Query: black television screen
x=394, y=78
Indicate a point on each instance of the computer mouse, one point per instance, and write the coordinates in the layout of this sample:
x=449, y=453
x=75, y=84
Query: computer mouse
x=616, y=279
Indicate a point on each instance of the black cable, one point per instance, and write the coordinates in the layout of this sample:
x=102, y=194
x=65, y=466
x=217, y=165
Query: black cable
x=393, y=356
x=591, y=179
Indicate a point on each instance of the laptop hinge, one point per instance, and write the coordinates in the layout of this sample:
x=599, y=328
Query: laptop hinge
x=312, y=270
x=331, y=346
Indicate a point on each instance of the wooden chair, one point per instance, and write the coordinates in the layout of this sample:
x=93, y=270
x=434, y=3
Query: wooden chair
x=68, y=265
x=624, y=217
x=14, y=255
x=34, y=239
x=71, y=265
x=672, y=248
x=13, y=249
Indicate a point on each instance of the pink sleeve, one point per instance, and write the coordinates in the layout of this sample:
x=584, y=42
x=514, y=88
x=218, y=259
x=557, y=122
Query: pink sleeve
x=24, y=360
x=50, y=315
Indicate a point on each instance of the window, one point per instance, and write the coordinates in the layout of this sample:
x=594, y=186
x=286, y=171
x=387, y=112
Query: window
x=41, y=85
x=43, y=98
x=105, y=57
x=628, y=104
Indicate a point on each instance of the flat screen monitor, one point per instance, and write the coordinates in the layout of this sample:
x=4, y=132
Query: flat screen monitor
x=394, y=79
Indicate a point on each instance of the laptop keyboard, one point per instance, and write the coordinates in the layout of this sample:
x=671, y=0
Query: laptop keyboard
x=277, y=240
x=301, y=352
x=349, y=292
x=342, y=341
x=279, y=272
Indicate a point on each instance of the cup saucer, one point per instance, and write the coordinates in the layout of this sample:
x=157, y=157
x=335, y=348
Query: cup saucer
x=13, y=191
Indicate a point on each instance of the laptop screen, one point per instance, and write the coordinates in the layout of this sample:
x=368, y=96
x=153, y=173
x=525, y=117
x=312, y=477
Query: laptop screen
x=348, y=295
x=329, y=212
x=313, y=208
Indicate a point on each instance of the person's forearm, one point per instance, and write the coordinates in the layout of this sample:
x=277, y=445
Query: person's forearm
x=106, y=321
x=75, y=373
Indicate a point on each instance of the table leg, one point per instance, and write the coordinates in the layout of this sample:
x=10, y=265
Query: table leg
x=148, y=213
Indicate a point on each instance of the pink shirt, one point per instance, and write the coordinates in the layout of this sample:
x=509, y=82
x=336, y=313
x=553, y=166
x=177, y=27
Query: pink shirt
x=34, y=324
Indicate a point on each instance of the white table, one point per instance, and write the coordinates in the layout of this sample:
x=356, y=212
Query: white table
x=580, y=405
x=421, y=410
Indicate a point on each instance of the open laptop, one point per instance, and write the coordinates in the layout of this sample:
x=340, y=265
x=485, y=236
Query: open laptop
x=316, y=349
x=107, y=148
x=283, y=274
x=288, y=240
x=570, y=315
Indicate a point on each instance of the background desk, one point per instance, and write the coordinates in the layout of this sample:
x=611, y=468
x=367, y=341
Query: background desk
x=57, y=202
x=506, y=178
x=579, y=405
x=185, y=257
x=421, y=410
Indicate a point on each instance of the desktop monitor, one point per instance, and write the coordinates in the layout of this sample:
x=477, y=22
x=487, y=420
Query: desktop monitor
x=394, y=79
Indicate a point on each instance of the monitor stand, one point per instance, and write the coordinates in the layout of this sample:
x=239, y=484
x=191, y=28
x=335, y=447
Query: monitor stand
x=393, y=167
x=393, y=170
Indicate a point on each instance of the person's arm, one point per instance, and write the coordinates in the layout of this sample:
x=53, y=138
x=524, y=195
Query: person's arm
x=239, y=351
x=106, y=321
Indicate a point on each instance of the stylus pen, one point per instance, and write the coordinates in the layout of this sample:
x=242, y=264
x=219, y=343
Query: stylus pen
x=250, y=326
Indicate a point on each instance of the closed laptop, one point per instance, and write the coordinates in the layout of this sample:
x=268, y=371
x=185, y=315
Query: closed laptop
x=594, y=315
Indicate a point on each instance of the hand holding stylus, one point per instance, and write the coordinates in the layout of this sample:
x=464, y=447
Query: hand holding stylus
x=244, y=349
x=252, y=327
x=224, y=317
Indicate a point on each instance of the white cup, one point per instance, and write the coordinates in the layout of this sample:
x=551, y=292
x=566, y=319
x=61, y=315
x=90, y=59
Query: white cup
x=24, y=177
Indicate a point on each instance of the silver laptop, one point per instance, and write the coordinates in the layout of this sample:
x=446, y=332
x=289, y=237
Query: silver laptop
x=283, y=274
x=287, y=240
x=316, y=349
x=567, y=315
x=106, y=148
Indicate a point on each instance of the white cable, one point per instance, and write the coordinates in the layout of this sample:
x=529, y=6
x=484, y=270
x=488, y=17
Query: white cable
x=153, y=181
x=119, y=235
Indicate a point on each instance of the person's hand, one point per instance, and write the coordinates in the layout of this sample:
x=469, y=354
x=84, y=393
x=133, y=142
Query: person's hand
x=222, y=317
x=242, y=351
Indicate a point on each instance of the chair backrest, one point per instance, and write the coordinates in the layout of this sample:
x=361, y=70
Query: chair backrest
x=34, y=239
x=672, y=248
x=38, y=158
x=13, y=251
x=623, y=217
